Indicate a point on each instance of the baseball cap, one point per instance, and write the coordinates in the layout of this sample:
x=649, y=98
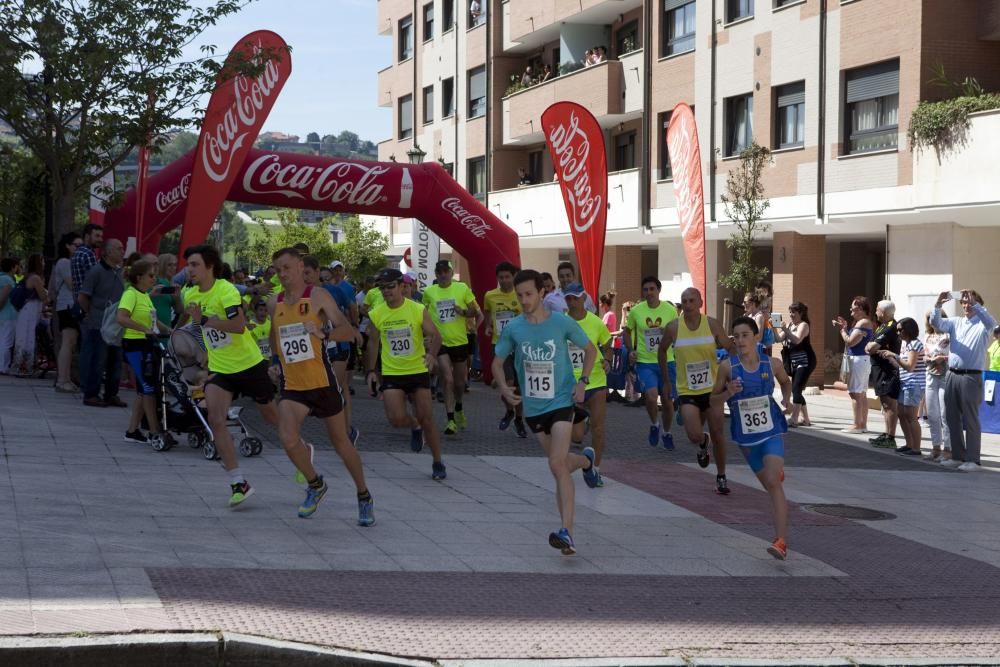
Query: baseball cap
x=388, y=276
x=442, y=265
x=574, y=290
x=409, y=278
x=335, y=263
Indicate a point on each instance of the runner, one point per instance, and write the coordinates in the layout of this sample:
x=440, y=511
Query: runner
x=596, y=397
x=310, y=270
x=260, y=329
x=539, y=341
x=299, y=315
x=695, y=338
x=746, y=381
x=642, y=333
x=339, y=352
x=449, y=303
x=501, y=307
x=403, y=337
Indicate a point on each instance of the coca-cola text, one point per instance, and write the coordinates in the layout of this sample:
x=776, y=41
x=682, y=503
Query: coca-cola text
x=351, y=182
x=168, y=200
x=472, y=222
x=572, y=146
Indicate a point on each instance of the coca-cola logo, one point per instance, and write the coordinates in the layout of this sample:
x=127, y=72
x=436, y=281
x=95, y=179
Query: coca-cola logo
x=221, y=143
x=571, y=151
x=353, y=183
x=472, y=222
x=682, y=145
x=168, y=200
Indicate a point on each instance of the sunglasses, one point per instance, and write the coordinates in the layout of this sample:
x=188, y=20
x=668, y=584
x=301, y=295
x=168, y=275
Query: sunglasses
x=386, y=286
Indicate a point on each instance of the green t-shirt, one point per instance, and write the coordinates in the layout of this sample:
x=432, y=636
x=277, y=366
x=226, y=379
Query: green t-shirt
x=373, y=297
x=228, y=353
x=597, y=332
x=401, y=337
x=141, y=306
x=164, y=303
x=261, y=333
x=646, y=325
x=442, y=303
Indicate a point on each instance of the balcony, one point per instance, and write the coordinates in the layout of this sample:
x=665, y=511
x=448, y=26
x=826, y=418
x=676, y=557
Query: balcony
x=964, y=176
x=598, y=88
x=533, y=23
x=390, y=11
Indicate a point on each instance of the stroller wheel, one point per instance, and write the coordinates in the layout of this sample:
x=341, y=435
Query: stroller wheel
x=195, y=440
x=246, y=446
x=158, y=444
x=209, y=451
x=256, y=446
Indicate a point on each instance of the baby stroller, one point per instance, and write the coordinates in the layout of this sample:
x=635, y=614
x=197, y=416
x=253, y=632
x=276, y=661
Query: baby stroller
x=183, y=371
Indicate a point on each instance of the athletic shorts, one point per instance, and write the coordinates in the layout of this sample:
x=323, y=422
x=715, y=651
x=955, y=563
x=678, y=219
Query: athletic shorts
x=754, y=454
x=338, y=352
x=142, y=356
x=648, y=375
x=67, y=320
x=322, y=402
x=457, y=353
x=543, y=423
x=701, y=401
x=472, y=344
x=253, y=382
x=590, y=392
x=408, y=384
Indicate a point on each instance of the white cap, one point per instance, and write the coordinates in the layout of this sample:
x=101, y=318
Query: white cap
x=335, y=263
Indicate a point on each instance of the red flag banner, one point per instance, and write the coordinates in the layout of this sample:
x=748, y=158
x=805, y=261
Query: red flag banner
x=685, y=162
x=576, y=144
x=235, y=116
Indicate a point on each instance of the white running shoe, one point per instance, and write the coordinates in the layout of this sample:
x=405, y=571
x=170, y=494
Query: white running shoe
x=951, y=463
x=969, y=466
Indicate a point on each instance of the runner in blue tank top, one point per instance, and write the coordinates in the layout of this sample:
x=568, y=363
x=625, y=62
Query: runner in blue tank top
x=746, y=381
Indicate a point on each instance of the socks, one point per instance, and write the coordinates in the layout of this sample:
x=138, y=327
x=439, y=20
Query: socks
x=235, y=476
x=364, y=496
x=458, y=406
x=316, y=483
x=451, y=416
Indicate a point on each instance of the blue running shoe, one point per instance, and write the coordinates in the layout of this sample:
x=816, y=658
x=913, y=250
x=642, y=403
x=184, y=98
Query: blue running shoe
x=506, y=420
x=668, y=440
x=366, y=512
x=654, y=435
x=563, y=541
x=590, y=474
x=355, y=434
x=438, y=471
x=416, y=439
x=600, y=480
x=313, y=496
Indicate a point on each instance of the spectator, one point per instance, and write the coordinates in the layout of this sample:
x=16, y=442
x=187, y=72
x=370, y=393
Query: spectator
x=8, y=314
x=527, y=79
x=101, y=288
x=522, y=177
x=994, y=351
x=607, y=310
x=546, y=73
x=936, y=347
x=553, y=299
x=85, y=256
x=167, y=303
x=28, y=317
x=855, y=337
x=885, y=375
x=61, y=297
x=751, y=308
x=475, y=11
x=588, y=58
x=566, y=273
x=912, y=379
x=799, y=359
x=963, y=387
x=765, y=293
x=601, y=54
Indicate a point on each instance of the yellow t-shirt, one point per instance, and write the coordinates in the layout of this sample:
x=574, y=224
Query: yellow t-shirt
x=373, y=297
x=141, y=306
x=597, y=332
x=442, y=303
x=993, y=355
x=696, y=360
x=261, y=333
x=645, y=326
x=228, y=353
x=502, y=307
x=401, y=337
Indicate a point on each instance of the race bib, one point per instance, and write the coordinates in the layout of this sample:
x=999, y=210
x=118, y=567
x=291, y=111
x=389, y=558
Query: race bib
x=504, y=318
x=755, y=414
x=216, y=339
x=446, y=311
x=576, y=357
x=540, y=376
x=400, y=341
x=296, y=343
x=699, y=375
x=653, y=337
x=265, y=348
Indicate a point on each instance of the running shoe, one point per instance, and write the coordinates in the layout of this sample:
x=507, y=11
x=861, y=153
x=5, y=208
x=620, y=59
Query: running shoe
x=721, y=485
x=951, y=463
x=563, y=541
x=136, y=436
x=778, y=549
x=460, y=419
x=300, y=477
x=506, y=420
x=888, y=443
x=451, y=428
x=519, y=427
x=241, y=492
x=416, y=439
x=909, y=452
x=438, y=471
x=703, y=457
x=654, y=435
x=590, y=474
x=902, y=448
x=355, y=434
x=668, y=440
x=600, y=479
x=366, y=512
x=313, y=496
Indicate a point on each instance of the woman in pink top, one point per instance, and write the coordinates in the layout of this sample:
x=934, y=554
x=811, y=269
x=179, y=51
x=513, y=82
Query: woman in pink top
x=607, y=303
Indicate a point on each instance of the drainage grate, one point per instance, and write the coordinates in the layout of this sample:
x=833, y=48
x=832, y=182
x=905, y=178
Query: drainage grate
x=850, y=512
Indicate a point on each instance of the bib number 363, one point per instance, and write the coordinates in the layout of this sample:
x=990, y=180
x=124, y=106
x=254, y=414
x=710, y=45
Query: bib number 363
x=296, y=345
x=539, y=376
x=755, y=414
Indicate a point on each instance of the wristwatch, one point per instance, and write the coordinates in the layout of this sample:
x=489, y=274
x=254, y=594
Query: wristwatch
x=584, y=379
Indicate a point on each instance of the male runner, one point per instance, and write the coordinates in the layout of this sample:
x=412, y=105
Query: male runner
x=450, y=302
x=539, y=341
x=339, y=352
x=405, y=340
x=260, y=329
x=299, y=333
x=642, y=333
x=596, y=397
x=746, y=381
x=501, y=307
x=566, y=274
x=695, y=338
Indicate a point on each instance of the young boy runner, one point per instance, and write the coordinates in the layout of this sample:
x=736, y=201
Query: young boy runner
x=260, y=329
x=539, y=341
x=596, y=397
x=746, y=381
x=299, y=317
x=405, y=340
x=501, y=307
x=695, y=338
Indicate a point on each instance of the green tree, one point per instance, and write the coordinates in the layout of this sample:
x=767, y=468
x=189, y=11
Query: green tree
x=349, y=138
x=171, y=242
x=259, y=250
x=363, y=249
x=312, y=138
x=235, y=237
x=22, y=204
x=180, y=144
x=745, y=203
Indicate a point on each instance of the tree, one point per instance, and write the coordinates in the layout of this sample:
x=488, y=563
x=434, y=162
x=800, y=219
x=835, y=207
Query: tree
x=363, y=249
x=180, y=144
x=109, y=77
x=745, y=204
x=235, y=237
x=259, y=250
x=22, y=202
x=349, y=138
x=312, y=138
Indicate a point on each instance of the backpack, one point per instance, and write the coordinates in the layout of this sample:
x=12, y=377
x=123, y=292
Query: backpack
x=111, y=331
x=19, y=295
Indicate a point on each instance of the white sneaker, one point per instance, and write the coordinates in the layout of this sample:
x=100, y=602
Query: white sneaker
x=951, y=463
x=853, y=431
x=969, y=466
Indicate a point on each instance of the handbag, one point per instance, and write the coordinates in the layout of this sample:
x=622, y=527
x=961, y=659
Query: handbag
x=845, y=369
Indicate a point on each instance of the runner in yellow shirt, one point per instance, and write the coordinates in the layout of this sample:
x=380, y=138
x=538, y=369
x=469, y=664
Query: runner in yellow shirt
x=500, y=306
x=260, y=329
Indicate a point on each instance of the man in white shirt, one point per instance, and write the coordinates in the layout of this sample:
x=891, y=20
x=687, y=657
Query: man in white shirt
x=555, y=301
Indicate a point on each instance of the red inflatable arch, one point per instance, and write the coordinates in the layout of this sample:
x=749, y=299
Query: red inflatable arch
x=425, y=192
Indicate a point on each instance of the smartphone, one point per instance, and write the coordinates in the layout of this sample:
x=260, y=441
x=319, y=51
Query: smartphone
x=955, y=295
x=776, y=320
x=168, y=290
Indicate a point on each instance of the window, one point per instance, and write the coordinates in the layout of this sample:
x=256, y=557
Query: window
x=625, y=151
x=782, y=3
x=429, y=104
x=872, y=108
x=405, y=38
x=449, y=167
x=739, y=123
x=406, y=117
x=535, y=166
x=447, y=15
x=428, y=21
x=664, y=122
x=477, y=177
x=477, y=92
x=679, y=21
x=738, y=9
x=627, y=39
x=477, y=13
x=448, y=97
x=790, y=119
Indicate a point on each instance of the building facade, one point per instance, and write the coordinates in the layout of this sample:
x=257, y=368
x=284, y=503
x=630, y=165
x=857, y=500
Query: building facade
x=828, y=85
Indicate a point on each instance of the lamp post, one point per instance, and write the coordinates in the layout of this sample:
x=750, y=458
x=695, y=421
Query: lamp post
x=416, y=155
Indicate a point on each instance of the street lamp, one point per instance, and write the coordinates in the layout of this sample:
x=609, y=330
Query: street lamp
x=415, y=154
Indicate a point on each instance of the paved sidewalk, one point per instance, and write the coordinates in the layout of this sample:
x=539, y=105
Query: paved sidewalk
x=106, y=536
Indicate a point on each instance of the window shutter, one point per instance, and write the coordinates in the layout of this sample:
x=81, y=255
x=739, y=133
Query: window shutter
x=477, y=84
x=674, y=4
x=793, y=93
x=870, y=82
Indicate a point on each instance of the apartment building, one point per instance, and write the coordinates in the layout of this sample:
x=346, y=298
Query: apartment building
x=828, y=85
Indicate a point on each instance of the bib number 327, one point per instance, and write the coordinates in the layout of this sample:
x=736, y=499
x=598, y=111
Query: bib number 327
x=755, y=414
x=539, y=376
x=699, y=375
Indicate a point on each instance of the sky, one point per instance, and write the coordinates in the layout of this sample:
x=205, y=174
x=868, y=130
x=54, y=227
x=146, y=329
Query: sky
x=336, y=55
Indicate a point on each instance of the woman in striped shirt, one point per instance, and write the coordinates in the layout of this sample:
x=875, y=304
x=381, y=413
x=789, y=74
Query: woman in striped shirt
x=912, y=378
